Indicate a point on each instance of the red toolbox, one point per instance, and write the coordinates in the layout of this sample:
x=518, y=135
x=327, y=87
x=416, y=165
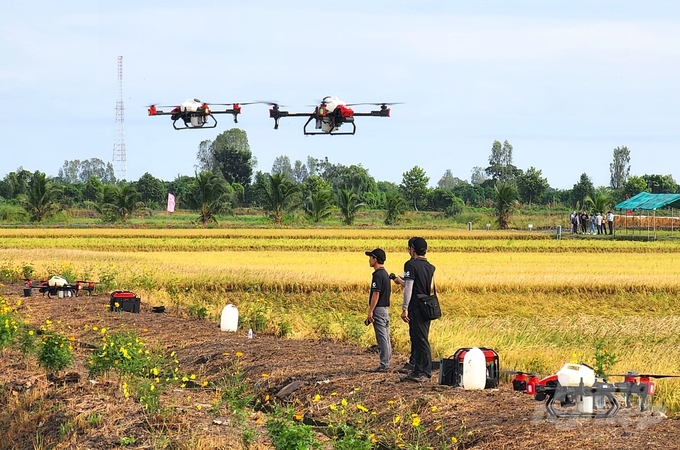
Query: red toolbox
x=451, y=369
x=124, y=301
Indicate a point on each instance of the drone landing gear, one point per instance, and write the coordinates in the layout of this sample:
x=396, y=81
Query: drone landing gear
x=332, y=125
x=571, y=405
x=195, y=121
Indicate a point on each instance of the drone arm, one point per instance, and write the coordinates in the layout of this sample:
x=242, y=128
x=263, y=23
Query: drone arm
x=276, y=114
x=381, y=113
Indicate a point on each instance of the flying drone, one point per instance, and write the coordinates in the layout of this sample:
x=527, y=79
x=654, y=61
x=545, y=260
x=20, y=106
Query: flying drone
x=196, y=114
x=330, y=115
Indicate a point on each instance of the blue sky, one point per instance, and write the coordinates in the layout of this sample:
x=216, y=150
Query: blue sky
x=565, y=82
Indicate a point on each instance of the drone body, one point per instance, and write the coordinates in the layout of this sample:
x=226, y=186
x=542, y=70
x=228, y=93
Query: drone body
x=195, y=114
x=329, y=116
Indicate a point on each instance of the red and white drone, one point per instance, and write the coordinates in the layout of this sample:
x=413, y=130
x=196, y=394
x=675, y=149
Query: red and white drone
x=330, y=115
x=196, y=114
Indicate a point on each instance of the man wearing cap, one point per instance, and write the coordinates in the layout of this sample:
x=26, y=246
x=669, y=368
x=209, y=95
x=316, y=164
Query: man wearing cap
x=418, y=274
x=378, y=307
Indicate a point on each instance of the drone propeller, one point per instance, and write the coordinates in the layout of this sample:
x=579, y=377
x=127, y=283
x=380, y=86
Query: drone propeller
x=376, y=104
x=233, y=103
x=520, y=372
x=634, y=374
x=161, y=106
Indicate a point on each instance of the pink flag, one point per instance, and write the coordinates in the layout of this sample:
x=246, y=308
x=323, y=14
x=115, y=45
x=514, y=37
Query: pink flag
x=171, y=202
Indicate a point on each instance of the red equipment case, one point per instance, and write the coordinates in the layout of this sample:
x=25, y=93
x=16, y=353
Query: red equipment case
x=126, y=300
x=451, y=369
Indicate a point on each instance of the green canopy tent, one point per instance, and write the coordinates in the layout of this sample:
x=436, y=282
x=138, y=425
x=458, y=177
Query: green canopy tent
x=646, y=202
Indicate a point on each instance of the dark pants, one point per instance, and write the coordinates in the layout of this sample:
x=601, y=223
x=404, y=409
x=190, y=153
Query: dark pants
x=419, y=332
x=611, y=226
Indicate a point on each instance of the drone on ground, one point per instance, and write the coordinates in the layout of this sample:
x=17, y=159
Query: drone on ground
x=589, y=398
x=330, y=115
x=196, y=114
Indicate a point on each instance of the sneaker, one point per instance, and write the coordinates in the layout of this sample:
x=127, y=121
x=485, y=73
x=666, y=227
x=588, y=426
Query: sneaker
x=407, y=368
x=415, y=378
x=379, y=369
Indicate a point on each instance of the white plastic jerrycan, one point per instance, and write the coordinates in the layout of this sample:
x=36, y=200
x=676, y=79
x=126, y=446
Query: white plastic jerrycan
x=571, y=375
x=229, y=320
x=474, y=369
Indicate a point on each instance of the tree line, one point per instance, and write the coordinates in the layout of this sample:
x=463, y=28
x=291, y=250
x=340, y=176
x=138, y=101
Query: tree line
x=225, y=178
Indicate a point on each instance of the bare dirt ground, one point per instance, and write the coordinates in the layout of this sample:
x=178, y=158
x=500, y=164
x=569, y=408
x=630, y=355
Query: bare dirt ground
x=281, y=371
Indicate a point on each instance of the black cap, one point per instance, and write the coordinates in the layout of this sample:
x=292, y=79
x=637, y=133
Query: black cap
x=419, y=245
x=378, y=254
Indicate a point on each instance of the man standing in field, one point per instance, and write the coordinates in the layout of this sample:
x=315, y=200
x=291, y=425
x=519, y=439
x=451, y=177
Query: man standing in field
x=378, y=307
x=418, y=274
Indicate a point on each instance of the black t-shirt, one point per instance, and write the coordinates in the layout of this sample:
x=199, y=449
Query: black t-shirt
x=421, y=272
x=381, y=283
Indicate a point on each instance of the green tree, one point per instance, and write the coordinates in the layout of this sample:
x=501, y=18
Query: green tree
x=448, y=181
x=179, y=187
x=300, y=172
x=151, y=189
x=280, y=195
x=601, y=202
x=319, y=205
x=282, y=165
x=414, y=186
x=505, y=203
x=634, y=185
x=126, y=200
x=15, y=184
x=660, y=184
x=478, y=176
x=395, y=207
x=500, y=163
x=103, y=197
x=40, y=200
x=584, y=188
x=349, y=203
x=531, y=185
x=209, y=195
x=229, y=155
x=619, y=169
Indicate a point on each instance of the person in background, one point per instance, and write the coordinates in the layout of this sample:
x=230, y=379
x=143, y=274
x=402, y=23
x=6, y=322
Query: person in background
x=598, y=222
x=379, y=307
x=418, y=275
x=610, y=222
x=592, y=223
x=583, y=219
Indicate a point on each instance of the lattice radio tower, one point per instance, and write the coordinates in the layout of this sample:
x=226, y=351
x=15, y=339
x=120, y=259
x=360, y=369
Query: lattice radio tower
x=119, y=157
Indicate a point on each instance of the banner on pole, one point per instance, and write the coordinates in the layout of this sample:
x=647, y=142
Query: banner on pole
x=171, y=203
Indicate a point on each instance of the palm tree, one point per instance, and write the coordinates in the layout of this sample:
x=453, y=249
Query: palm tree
x=209, y=195
x=125, y=201
x=319, y=205
x=506, y=201
x=40, y=199
x=105, y=196
x=396, y=207
x=349, y=205
x=601, y=203
x=279, y=195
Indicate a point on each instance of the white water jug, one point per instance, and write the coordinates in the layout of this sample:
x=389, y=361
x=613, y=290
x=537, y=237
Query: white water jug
x=571, y=375
x=474, y=369
x=229, y=320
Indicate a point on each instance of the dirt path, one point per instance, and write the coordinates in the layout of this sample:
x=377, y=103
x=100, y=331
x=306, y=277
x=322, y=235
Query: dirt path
x=294, y=372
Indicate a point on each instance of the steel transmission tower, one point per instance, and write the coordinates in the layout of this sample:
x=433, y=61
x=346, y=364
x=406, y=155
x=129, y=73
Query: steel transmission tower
x=119, y=157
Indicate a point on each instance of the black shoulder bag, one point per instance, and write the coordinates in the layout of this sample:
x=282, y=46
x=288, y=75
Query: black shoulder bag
x=429, y=304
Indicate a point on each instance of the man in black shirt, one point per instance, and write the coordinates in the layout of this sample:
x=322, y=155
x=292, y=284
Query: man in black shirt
x=418, y=273
x=378, y=307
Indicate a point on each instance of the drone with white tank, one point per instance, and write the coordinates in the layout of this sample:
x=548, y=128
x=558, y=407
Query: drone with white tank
x=196, y=114
x=329, y=115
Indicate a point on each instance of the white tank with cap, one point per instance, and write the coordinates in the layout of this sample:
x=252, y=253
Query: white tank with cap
x=229, y=319
x=474, y=369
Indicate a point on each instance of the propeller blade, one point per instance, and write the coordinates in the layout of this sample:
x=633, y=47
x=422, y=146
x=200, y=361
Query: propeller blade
x=376, y=104
x=633, y=373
